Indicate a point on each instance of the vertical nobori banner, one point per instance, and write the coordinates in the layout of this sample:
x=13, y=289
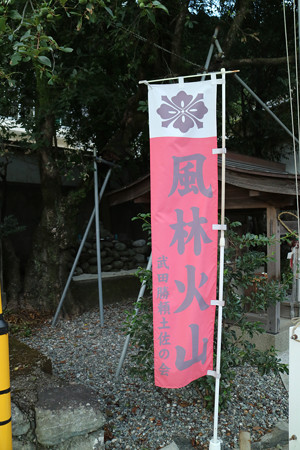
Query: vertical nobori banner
x=184, y=206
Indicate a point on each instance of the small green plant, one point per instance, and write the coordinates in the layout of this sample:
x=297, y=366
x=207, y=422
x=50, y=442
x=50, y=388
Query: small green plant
x=246, y=290
x=140, y=328
x=23, y=329
x=146, y=225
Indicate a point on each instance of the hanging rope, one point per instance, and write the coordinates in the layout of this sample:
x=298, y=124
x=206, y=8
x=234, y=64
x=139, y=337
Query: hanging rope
x=143, y=39
x=291, y=105
x=297, y=75
x=285, y=225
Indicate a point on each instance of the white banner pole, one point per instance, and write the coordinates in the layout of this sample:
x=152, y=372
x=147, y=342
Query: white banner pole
x=215, y=443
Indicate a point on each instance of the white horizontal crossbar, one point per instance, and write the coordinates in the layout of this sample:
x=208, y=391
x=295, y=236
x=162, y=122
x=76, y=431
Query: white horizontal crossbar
x=217, y=303
x=219, y=151
x=219, y=227
x=214, y=374
x=219, y=80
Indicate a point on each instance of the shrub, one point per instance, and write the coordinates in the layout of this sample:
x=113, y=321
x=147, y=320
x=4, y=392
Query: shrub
x=245, y=291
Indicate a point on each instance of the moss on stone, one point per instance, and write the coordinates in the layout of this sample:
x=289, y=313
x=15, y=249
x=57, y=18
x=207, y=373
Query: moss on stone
x=23, y=359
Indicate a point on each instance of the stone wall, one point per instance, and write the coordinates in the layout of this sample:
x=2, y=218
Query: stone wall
x=116, y=254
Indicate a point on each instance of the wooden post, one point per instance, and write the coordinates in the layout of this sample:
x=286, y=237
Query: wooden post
x=273, y=268
x=244, y=440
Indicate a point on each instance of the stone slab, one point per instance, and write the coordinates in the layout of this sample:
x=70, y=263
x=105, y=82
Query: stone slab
x=179, y=443
x=182, y=442
x=21, y=445
x=278, y=438
x=92, y=441
x=171, y=446
x=20, y=422
x=66, y=412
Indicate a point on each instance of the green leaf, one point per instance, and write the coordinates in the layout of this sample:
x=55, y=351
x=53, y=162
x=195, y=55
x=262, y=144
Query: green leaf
x=79, y=24
x=157, y=4
x=66, y=49
x=26, y=35
x=109, y=11
x=2, y=23
x=15, y=59
x=15, y=15
x=151, y=16
x=11, y=83
x=44, y=60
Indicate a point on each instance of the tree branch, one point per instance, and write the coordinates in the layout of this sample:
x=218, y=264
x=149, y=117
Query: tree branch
x=235, y=63
x=176, y=43
x=237, y=23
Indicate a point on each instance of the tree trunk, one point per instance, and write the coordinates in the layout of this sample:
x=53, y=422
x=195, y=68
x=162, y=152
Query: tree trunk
x=47, y=269
x=177, y=37
x=11, y=274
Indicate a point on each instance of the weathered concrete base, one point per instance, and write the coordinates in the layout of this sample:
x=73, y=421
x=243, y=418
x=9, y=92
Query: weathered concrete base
x=265, y=340
x=66, y=412
x=116, y=287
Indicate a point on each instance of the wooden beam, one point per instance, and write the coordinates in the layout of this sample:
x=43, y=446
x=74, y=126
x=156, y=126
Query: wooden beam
x=273, y=268
x=254, y=193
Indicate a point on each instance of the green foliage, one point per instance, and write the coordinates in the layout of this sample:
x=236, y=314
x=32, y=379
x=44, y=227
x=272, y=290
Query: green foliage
x=93, y=52
x=140, y=328
x=23, y=329
x=148, y=8
x=146, y=225
x=9, y=226
x=246, y=290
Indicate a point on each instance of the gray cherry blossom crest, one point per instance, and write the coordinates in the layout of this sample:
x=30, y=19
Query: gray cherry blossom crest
x=183, y=110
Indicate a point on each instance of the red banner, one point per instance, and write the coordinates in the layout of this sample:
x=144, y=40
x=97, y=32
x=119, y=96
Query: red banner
x=184, y=207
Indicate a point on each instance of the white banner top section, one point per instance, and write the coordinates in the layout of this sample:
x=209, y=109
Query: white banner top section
x=183, y=109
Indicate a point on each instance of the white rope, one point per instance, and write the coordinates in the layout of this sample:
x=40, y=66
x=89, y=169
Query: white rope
x=297, y=76
x=292, y=115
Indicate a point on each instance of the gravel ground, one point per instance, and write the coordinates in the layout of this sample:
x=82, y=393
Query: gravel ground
x=140, y=415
